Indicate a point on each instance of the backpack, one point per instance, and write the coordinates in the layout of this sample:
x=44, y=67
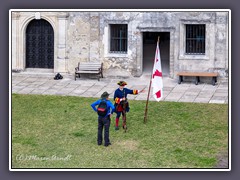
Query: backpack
x=58, y=76
x=102, y=108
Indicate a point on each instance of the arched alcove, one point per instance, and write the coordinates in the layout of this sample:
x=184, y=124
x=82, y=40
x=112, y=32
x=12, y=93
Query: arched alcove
x=39, y=44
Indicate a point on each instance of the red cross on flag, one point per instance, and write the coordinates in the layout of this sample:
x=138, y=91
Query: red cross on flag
x=157, y=80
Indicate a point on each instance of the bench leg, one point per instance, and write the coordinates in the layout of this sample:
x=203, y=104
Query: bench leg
x=75, y=76
x=99, y=76
x=180, y=79
x=214, y=80
x=197, y=80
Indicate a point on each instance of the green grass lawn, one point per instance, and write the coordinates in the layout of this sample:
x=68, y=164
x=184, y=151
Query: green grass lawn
x=61, y=132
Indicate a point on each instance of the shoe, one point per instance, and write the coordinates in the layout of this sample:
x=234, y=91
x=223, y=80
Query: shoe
x=116, y=128
x=99, y=144
x=124, y=128
x=106, y=145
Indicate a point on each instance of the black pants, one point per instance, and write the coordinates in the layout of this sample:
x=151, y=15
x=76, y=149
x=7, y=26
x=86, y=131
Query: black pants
x=103, y=122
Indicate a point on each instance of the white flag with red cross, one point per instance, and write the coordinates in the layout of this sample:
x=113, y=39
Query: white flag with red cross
x=157, y=80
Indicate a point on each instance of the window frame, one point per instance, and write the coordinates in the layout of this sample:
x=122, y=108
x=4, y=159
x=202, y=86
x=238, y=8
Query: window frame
x=117, y=47
x=196, y=37
x=209, y=42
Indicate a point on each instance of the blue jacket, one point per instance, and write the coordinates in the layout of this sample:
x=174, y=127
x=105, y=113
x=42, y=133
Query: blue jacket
x=118, y=94
x=110, y=106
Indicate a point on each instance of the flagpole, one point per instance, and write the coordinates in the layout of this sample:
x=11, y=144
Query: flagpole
x=150, y=84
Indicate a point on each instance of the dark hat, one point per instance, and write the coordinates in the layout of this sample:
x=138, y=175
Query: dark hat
x=122, y=83
x=104, y=95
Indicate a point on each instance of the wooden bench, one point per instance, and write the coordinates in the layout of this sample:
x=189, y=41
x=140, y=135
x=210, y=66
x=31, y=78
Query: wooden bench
x=198, y=75
x=89, y=68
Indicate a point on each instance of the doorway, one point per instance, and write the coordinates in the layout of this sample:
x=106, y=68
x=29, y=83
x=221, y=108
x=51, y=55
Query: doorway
x=39, y=45
x=149, y=49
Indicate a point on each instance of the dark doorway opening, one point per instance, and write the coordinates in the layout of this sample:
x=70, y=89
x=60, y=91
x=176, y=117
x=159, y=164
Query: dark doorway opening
x=149, y=48
x=39, y=45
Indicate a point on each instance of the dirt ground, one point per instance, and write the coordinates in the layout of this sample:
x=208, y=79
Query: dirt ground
x=222, y=161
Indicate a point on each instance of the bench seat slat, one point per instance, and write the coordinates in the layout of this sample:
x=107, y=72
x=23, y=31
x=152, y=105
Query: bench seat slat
x=208, y=74
x=197, y=75
x=90, y=72
x=90, y=64
x=86, y=62
x=99, y=65
x=88, y=68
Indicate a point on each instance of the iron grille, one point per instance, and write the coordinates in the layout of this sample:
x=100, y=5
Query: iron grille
x=118, y=35
x=195, y=39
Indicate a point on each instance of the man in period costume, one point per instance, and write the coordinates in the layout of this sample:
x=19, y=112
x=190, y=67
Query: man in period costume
x=121, y=103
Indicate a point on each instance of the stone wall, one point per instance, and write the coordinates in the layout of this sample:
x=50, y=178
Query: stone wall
x=84, y=37
x=88, y=40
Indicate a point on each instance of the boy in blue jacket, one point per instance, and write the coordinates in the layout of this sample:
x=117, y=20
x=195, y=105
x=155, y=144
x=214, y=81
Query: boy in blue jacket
x=105, y=110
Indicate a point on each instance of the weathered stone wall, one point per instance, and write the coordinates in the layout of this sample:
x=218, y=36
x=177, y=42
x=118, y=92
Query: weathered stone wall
x=215, y=58
x=78, y=39
x=221, y=49
x=84, y=36
x=118, y=64
x=88, y=40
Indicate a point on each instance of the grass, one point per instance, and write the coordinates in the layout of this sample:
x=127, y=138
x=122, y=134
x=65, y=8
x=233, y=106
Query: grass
x=61, y=132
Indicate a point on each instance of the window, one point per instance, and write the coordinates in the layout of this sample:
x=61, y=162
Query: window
x=118, y=38
x=195, y=39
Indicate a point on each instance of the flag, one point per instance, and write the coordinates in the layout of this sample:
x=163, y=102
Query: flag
x=157, y=80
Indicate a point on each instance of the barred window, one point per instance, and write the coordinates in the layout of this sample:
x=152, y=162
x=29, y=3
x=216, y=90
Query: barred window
x=195, y=38
x=118, y=38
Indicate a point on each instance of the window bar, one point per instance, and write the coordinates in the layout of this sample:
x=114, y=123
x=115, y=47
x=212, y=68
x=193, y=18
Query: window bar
x=204, y=35
x=111, y=37
x=197, y=40
x=126, y=39
x=115, y=39
x=191, y=35
x=120, y=40
x=201, y=40
x=187, y=44
x=194, y=39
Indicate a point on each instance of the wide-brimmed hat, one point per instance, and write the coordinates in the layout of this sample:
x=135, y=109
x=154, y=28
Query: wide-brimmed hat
x=122, y=83
x=104, y=95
